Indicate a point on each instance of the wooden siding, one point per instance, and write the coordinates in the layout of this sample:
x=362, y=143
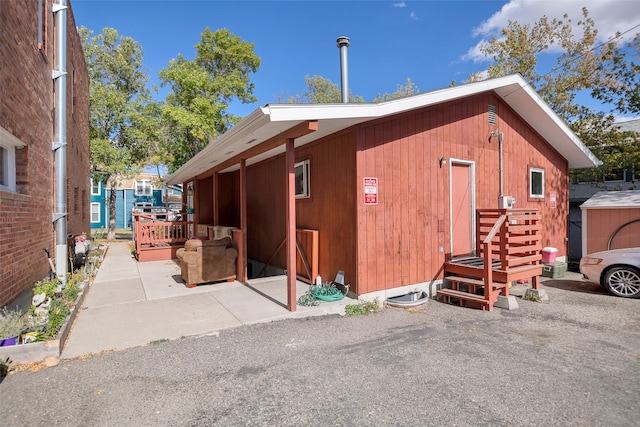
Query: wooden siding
x=602, y=223
x=204, y=201
x=405, y=238
x=399, y=240
x=330, y=208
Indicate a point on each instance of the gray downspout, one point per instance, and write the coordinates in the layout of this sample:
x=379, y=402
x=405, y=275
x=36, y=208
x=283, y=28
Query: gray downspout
x=59, y=9
x=343, y=44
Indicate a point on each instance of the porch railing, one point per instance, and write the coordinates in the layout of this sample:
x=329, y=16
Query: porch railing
x=512, y=236
x=151, y=230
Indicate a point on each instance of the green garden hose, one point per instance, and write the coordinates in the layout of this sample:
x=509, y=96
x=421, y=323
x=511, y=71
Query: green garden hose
x=326, y=294
x=316, y=293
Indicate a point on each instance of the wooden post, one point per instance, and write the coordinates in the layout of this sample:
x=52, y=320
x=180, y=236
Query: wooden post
x=488, y=275
x=291, y=224
x=214, y=199
x=242, y=249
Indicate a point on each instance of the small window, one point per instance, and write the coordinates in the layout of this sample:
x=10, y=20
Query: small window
x=95, y=212
x=302, y=179
x=43, y=12
x=536, y=183
x=143, y=188
x=8, y=144
x=95, y=187
x=4, y=167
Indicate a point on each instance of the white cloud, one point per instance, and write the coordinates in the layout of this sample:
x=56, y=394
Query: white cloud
x=401, y=4
x=413, y=16
x=609, y=17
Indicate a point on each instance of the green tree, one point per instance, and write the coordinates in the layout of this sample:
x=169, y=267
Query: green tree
x=581, y=66
x=622, y=71
x=409, y=89
x=196, y=110
x=118, y=100
x=321, y=91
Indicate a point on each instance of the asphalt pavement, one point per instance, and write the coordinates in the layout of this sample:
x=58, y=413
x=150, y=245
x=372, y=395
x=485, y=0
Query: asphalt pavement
x=571, y=361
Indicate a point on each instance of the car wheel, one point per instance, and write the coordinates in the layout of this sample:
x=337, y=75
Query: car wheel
x=623, y=282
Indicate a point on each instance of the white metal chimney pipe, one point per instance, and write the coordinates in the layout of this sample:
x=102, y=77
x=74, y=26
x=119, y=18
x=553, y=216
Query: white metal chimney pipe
x=343, y=44
x=60, y=137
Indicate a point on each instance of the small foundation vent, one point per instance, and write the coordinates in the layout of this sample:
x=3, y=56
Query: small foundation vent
x=492, y=114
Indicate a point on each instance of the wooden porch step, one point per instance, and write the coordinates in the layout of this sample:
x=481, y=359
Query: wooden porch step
x=474, y=282
x=462, y=297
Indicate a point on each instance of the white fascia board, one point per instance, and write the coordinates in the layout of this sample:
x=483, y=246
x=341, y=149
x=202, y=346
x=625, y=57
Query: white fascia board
x=297, y=112
x=195, y=165
x=549, y=125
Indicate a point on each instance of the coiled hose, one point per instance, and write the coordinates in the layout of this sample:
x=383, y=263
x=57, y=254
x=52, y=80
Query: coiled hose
x=316, y=293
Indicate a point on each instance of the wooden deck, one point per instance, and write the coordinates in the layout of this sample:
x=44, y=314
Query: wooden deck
x=508, y=247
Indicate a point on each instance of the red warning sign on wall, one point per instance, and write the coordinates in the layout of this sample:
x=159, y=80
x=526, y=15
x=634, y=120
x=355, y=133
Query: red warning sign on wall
x=552, y=199
x=370, y=191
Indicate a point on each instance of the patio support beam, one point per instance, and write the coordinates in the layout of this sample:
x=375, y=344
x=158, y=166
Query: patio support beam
x=291, y=224
x=214, y=198
x=297, y=131
x=243, y=220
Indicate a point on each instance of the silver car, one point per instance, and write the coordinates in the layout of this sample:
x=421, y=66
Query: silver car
x=617, y=270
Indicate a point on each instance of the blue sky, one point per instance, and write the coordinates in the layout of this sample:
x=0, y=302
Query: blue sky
x=431, y=42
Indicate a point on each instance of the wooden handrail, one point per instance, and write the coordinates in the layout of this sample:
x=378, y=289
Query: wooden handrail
x=488, y=262
x=495, y=229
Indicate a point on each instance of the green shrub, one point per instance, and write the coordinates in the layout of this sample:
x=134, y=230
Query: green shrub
x=71, y=292
x=12, y=322
x=58, y=312
x=362, y=308
x=48, y=286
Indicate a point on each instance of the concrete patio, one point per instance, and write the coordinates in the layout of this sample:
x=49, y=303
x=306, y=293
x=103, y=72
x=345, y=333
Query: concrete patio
x=131, y=304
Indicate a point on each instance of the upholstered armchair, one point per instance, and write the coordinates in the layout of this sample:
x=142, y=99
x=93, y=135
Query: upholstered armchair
x=204, y=261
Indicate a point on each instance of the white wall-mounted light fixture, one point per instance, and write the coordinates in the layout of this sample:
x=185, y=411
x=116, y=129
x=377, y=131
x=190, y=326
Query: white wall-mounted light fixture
x=442, y=161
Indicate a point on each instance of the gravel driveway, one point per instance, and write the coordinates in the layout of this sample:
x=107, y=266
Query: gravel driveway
x=574, y=360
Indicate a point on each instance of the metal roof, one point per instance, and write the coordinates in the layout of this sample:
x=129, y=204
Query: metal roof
x=613, y=199
x=271, y=120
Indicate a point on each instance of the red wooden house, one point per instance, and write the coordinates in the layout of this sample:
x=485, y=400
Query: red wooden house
x=397, y=191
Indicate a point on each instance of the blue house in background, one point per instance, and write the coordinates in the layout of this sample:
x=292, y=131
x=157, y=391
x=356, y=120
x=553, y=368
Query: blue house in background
x=140, y=191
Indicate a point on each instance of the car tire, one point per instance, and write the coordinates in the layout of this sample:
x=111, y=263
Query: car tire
x=623, y=282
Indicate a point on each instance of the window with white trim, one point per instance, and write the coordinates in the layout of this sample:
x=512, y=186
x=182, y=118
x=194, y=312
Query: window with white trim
x=536, y=183
x=302, y=179
x=144, y=188
x=8, y=145
x=95, y=212
x=95, y=187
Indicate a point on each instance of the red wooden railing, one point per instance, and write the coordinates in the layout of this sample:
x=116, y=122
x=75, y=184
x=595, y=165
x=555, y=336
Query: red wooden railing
x=159, y=236
x=509, y=243
x=512, y=236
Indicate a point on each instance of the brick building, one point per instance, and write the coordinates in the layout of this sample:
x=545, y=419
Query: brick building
x=27, y=112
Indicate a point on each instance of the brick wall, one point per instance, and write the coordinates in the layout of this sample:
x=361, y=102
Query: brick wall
x=27, y=111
